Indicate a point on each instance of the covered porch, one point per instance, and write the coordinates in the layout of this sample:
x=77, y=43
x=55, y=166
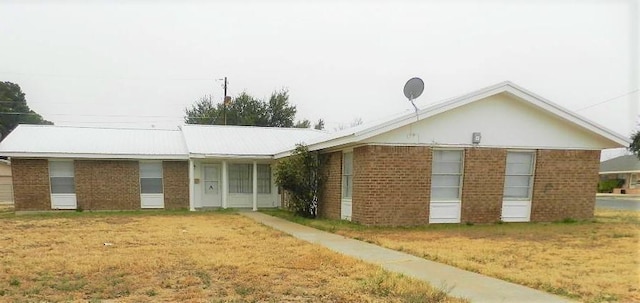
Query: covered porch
x=216, y=183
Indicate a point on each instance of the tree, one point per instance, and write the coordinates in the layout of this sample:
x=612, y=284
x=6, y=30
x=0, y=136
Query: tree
x=319, y=125
x=244, y=110
x=204, y=112
x=303, y=124
x=14, y=109
x=634, y=147
x=356, y=121
x=247, y=110
x=280, y=113
x=299, y=175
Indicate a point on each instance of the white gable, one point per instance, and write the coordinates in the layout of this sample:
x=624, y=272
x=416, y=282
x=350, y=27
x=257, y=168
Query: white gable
x=503, y=121
x=507, y=116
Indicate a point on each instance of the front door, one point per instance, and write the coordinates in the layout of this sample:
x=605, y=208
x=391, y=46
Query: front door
x=212, y=186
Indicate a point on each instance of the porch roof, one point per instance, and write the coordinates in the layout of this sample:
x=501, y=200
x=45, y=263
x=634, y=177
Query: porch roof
x=216, y=141
x=622, y=164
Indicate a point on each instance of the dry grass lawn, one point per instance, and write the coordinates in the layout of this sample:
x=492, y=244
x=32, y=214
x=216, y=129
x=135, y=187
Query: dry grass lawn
x=181, y=257
x=595, y=261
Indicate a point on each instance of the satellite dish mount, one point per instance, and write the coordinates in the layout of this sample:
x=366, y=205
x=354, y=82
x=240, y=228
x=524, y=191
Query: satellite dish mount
x=413, y=89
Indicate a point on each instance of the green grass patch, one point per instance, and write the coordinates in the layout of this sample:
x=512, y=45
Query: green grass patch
x=322, y=224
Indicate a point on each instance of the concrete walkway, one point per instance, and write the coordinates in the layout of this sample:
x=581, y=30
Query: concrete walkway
x=473, y=286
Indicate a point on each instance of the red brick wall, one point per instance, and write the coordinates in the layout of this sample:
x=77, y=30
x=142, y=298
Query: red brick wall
x=31, y=184
x=175, y=176
x=565, y=184
x=107, y=184
x=331, y=193
x=483, y=184
x=392, y=185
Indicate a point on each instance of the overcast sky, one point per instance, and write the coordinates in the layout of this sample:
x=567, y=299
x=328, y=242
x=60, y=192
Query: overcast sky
x=138, y=64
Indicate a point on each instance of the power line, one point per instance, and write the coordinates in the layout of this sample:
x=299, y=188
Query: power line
x=109, y=116
x=608, y=100
x=106, y=77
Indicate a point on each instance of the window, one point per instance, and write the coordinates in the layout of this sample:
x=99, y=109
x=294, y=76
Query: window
x=151, y=177
x=518, y=175
x=240, y=179
x=264, y=179
x=347, y=175
x=446, y=175
x=62, y=178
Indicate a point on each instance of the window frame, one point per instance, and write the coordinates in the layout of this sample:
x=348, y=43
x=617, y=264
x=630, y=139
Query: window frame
x=231, y=181
x=460, y=174
x=140, y=165
x=531, y=175
x=264, y=180
x=347, y=187
x=52, y=176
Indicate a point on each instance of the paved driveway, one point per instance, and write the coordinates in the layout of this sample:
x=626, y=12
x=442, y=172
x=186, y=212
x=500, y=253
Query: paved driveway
x=613, y=203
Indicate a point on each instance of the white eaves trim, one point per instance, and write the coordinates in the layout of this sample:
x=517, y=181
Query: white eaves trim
x=619, y=172
x=229, y=156
x=94, y=156
x=508, y=87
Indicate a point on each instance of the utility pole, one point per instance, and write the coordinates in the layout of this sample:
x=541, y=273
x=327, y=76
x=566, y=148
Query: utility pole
x=226, y=100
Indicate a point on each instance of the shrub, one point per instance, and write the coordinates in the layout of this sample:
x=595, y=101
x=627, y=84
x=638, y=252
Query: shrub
x=299, y=175
x=607, y=186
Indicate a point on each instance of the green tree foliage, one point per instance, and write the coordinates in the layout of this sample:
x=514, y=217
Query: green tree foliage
x=299, y=174
x=14, y=109
x=634, y=147
x=280, y=113
x=319, y=125
x=244, y=110
x=303, y=124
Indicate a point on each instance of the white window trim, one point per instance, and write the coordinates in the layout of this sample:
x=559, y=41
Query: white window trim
x=151, y=200
x=59, y=200
x=461, y=174
x=140, y=176
x=531, y=180
x=342, y=175
x=50, y=176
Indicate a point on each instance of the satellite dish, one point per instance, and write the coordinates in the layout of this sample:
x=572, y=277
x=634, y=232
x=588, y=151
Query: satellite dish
x=413, y=88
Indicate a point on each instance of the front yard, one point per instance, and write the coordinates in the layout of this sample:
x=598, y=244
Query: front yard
x=181, y=257
x=595, y=261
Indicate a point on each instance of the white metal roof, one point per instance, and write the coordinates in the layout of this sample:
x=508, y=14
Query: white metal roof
x=91, y=142
x=244, y=141
x=216, y=141
x=622, y=164
x=365, y=131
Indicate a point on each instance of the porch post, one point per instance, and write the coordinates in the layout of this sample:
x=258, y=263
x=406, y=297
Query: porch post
x=225, y=182
x=191, y=187
x=255, y=186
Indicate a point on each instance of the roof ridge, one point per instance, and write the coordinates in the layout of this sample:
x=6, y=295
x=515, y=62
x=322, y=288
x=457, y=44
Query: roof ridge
x=252, y=126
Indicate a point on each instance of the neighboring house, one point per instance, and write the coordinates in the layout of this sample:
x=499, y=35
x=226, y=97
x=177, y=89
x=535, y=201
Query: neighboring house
x=625, y=168
x=6, y=193
x=500, y=153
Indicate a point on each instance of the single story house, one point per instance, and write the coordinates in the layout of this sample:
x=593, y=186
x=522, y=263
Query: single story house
x=625, y=168
x=499, y=153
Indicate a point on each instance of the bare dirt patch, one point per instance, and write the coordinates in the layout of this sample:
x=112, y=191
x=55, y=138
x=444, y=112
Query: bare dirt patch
x=595, y=261
x=210, y=257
